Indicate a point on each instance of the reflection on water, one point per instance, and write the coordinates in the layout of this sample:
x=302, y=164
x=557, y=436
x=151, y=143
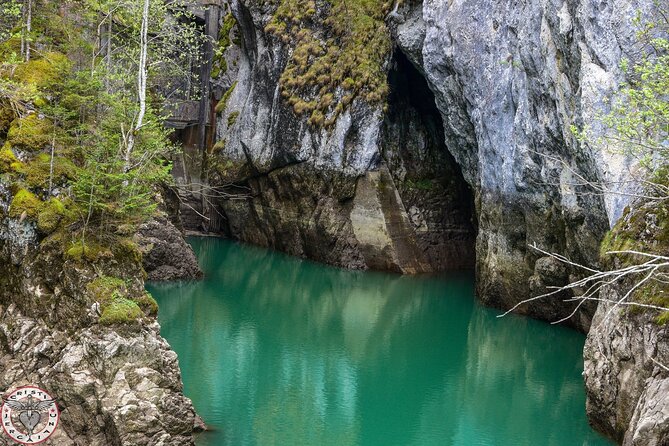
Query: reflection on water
x=279, y=351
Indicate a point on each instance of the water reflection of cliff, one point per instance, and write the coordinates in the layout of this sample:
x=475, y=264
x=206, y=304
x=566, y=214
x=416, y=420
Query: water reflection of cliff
x=277, y=351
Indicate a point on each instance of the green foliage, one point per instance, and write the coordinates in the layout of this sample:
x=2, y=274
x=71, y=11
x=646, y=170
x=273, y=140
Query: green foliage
x=121, y=311
x=111, y=194
x=347, y=60
x=638, y=123
x=10, y=12
x=25, y=201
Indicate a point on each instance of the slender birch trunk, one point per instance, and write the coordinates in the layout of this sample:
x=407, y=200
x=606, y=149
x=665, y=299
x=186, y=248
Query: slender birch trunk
x=29, y=20
x=141, y=84
x=53, y=148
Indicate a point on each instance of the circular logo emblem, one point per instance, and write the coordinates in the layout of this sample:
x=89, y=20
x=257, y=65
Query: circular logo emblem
x=29, y=415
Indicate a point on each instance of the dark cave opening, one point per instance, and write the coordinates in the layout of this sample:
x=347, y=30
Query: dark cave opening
x=438, y=200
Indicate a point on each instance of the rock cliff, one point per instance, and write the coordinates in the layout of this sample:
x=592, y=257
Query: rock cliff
x=626, y=378
x=473, y=139
x=116, y=381
x=465, y=159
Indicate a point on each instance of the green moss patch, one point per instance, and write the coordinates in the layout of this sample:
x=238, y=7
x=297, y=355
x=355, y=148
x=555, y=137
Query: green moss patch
x=223, y=103
x=116, y=305
x=232, y=118
x=341, y=51
x=50, y=216
x=8, y=161
x=25, y=202
x=30, y=133
x=105, y=289
x=148, y=304
x=643, y=228
x=121, y=311
x=45, y=73
x=37, y=171
x=124, y=249
x=220, y=65
x=90, y=251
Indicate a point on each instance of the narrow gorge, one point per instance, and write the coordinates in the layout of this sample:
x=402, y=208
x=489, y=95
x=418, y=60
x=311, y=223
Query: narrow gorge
x=413, y=137
x=469, y=161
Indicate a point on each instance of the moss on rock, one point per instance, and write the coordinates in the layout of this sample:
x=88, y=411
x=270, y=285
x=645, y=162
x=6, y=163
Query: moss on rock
x=148, y=304
x=90, y=251
x=38, y=173
x=46, y=72
x=223, y=103
x=340, y=48
x=121, y=311
x=232, y=118
x=644, y=227
x=25, y=201
x=50, y=216
x=105, y=289
x=30, y=133
x=8, y=161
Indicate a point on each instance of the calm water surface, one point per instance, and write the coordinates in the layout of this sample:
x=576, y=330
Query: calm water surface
x=280, y=351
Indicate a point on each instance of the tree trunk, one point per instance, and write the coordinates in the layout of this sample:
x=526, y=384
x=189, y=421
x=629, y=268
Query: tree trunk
x=109, y=50
x=29, y=20
x=141, y=84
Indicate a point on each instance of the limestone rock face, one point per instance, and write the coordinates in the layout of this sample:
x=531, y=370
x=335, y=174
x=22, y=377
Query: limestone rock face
x=475, y=134
x=626, y=375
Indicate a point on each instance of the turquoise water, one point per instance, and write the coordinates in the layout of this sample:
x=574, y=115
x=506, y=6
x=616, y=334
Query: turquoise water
x=280, y=351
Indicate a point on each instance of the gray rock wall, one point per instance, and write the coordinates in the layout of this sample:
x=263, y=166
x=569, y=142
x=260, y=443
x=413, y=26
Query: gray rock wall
x=506, y=82
x=626, y=375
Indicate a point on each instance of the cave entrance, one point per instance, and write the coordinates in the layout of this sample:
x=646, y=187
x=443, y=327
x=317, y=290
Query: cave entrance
x=438, y=200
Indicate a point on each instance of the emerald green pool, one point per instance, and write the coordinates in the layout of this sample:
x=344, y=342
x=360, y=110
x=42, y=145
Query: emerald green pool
x=279, y=351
